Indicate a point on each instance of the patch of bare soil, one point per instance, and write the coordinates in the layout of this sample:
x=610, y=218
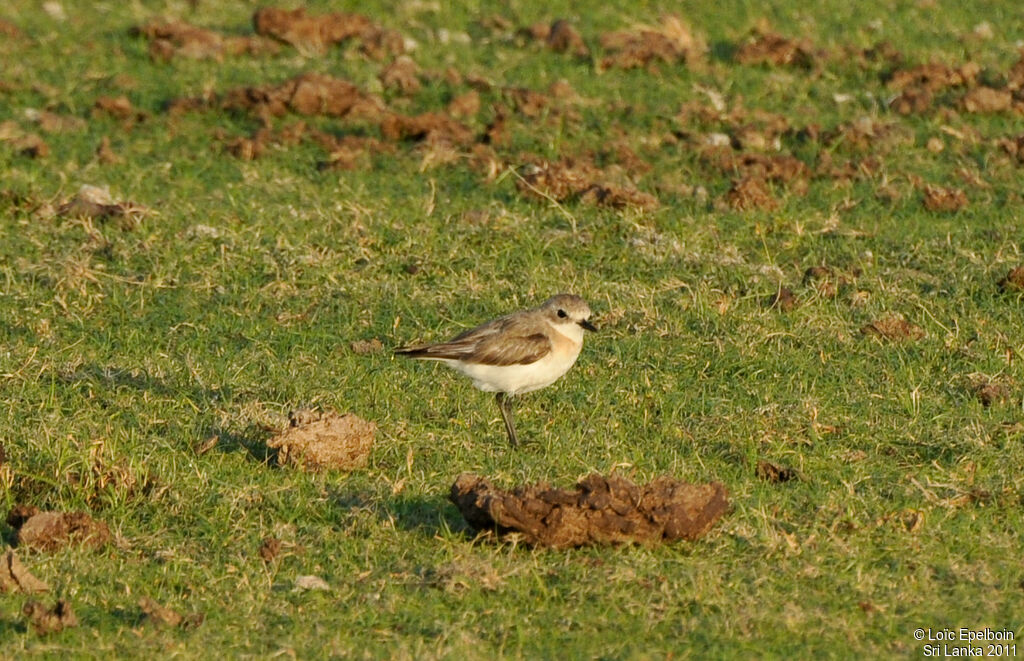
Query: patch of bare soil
x=170, y=39
x=764, y=46
x=50, y=531
x=938, y=198
x=671, y=42
x=601, y=510
x=778, y=168
x=895, y=329
x=751, y=193
x=318, y=440
x=45, y=620
x=163, y=616
x=15, y=577
x=774, y=473
x=1013, y=281
x=314, y=34
x=96, y=203
x=571, y=179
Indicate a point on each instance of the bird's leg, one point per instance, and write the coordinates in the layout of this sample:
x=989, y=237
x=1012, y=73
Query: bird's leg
x=506, y=415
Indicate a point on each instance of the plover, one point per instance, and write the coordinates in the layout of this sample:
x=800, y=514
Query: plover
x=517, y=353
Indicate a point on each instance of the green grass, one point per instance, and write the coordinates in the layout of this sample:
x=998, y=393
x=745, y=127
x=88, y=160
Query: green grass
x=237, y=298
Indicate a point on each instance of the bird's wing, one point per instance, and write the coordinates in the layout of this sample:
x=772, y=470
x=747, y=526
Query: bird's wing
x=504, y=341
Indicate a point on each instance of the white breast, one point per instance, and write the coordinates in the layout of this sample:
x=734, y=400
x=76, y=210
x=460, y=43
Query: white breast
x=516, y=379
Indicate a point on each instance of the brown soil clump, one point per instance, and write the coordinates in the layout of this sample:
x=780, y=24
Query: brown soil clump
x=774, y=473
x=96, y=203
x=751, y=193
x=172, y=39
x=601, y=510
x=992, y=393
x=270, y=548
x=401, y=75
x=784, y=299
x=350, y=152
x=672, y=42
x=937, y=198
x=988, y=99
x=428, y=126
x=316, y=440
x=935, y=76
x=777, y=168
x=571, y=179
x=767, y=47
x=563, y=38
x=50, y=531
x=49, y=620
x=23, y=142
x=465, y=105
x=1013, y=281
x=894, y=329
x=1014, y=147
x=306, y=94
x=163, y=616
x=15, y=577
x=309, y=34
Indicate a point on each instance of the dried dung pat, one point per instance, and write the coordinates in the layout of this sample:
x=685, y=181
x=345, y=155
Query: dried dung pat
x=318, y=440
x=49, y=620
x=50, y=531
x=601, y=510
x=14, y=577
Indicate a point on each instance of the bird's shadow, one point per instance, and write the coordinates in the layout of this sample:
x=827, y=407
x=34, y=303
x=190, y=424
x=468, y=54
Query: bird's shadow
x=425, y=515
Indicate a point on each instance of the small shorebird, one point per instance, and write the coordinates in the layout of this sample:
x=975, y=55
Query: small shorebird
x=517, y=353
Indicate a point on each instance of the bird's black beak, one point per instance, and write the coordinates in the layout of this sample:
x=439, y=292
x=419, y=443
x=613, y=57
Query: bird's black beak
x=587, y=325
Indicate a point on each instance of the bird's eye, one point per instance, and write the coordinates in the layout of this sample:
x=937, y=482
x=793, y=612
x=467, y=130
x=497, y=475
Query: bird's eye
x=561, y=314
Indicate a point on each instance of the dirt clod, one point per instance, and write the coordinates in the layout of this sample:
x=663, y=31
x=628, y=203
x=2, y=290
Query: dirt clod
x=96, y=203
x=311, y=34
x=783, y=299
x=170, y=39
x=563, y=38
x=15, y=577
x=894, y=329
x=671, y=42
x=988, y=99
x=1013, y=281
x=774, y=473
x=317, y=440
x=50, y=531
x=402, y=75
x=163, y=616
x=939, y=198
x=270, y=548
x=49, y=620
x=601, y=510
x=751, y=193
x=305, y=94
x=767, y=47
x=571, y=179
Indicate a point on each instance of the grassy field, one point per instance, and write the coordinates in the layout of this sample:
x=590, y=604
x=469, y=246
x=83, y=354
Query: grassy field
x=236, y=297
